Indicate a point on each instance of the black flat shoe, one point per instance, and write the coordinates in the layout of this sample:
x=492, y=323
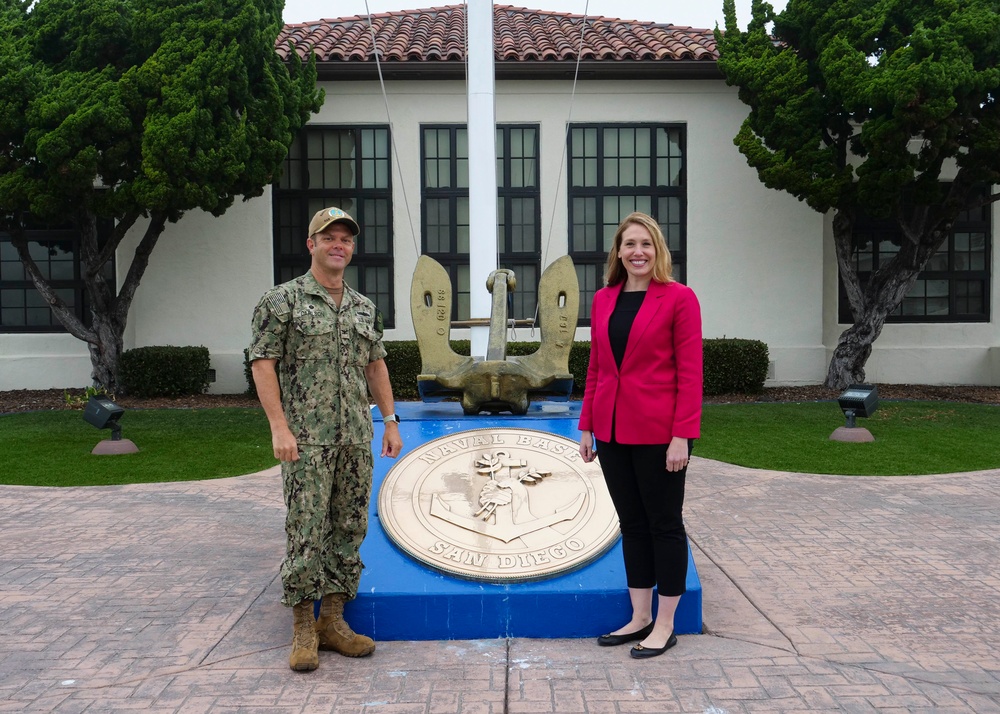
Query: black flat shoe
x=612, y=640
x=640, y=652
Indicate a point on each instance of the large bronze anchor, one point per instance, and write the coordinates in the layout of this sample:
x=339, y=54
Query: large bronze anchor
x=498, y=383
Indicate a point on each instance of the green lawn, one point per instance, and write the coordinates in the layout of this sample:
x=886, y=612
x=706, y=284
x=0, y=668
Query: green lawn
x=52, y=448
x=910, y=438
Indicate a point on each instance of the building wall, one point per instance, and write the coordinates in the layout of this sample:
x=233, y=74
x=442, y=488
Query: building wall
x=754, y=253
x=204, y=278
x=760, y=261
x=735, y=263
x=202, y=283
x=43, y=361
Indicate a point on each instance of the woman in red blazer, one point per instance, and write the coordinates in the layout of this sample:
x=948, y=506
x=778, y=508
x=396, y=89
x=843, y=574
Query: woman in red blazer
x=641, y=413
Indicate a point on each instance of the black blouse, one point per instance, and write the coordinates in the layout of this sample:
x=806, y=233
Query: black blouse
x=620, y=322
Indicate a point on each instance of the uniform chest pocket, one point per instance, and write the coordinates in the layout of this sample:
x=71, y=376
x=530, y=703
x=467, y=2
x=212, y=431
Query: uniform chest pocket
x=360, y=339
x=314, y=335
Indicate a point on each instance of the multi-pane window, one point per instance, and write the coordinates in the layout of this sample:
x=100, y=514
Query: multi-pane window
x=56, y=252
x=952, y=287
x=613, y=171
x=348, y=168
x=519, y=213
x=445, y=210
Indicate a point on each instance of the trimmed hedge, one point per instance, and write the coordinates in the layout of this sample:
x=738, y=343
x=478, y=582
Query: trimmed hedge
x=403, y=360
x=731, y=365
x=164, y=371
x=735, y=366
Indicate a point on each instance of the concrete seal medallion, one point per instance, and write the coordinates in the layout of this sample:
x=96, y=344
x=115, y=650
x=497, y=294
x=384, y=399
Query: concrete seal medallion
x=498, y=505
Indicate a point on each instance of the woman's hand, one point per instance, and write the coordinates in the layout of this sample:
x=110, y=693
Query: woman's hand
x=587, y=451
x=677, y=454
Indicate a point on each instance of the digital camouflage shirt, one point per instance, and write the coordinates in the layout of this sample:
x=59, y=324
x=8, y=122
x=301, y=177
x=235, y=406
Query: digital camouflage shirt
x=322, y=352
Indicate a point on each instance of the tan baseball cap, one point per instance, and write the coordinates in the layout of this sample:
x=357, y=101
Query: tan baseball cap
x=332, y=215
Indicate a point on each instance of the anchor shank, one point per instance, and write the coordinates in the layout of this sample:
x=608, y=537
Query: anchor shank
x=498, y=284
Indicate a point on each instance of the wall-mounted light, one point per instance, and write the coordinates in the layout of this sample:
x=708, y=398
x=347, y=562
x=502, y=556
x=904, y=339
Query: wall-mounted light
x=104, y=414
x=858, y=400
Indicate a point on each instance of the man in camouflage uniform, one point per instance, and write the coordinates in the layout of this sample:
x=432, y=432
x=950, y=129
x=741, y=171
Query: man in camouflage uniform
x=316, y=353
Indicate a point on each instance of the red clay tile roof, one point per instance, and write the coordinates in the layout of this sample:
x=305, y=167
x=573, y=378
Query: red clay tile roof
x=437, y=35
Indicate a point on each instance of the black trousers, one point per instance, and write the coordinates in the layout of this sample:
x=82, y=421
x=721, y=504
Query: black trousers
x=650, y=504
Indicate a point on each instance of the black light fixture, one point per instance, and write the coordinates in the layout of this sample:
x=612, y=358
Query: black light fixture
x=104, y=414
x=858, y=400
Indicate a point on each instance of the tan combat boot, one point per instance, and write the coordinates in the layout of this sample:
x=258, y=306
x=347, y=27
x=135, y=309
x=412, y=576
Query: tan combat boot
x=305, y=642
x=337, y=635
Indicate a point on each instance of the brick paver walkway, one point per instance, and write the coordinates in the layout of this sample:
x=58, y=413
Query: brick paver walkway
x=821, y=593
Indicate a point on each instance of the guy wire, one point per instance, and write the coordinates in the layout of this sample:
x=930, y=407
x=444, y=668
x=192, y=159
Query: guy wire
x=392, y=133
x=562, y=161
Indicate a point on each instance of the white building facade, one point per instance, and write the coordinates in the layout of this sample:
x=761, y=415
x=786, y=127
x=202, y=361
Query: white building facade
x=574, y=158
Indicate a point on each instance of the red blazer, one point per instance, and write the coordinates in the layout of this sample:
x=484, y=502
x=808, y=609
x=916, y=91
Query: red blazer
x=657, y=393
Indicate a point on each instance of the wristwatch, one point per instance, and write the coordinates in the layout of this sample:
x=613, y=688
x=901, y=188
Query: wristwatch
x=390, y=418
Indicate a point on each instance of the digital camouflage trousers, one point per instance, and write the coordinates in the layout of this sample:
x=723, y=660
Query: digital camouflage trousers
x=327, y=492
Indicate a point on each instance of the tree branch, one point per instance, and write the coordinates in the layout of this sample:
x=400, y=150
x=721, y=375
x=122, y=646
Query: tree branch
x=60, y=309
x=140, y=261
x=843, y=240
x=122, y=227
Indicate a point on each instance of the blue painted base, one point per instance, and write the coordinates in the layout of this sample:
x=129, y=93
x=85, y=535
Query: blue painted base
x=401, y=599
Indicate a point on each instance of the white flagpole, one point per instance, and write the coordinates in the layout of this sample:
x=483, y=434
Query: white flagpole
x=482, y=165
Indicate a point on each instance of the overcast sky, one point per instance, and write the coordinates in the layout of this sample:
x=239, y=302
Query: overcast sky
x=694, y=13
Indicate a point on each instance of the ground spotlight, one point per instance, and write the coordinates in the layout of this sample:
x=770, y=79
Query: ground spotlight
x=104, y=414
x=858, y=400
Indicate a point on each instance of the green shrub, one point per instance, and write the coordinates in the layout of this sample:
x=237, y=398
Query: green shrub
x=403, y=361
x=79, y=401
x=164, y=371
x=735, y=366
x=579, y=360
x=731, y=365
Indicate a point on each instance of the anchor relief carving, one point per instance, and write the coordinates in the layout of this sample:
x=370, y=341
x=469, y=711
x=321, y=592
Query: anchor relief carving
x=505, y=510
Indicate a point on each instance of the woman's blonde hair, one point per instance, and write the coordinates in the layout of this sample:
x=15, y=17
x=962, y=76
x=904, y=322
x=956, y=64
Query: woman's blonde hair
x=662, y=264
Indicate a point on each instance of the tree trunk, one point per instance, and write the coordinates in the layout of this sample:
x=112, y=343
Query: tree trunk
x=105, y=335
x=884, y=292
x=110, y=317
x=109, y=324
x=872, y=303
x=106, y=352
x=847, y=366
x=855, y=345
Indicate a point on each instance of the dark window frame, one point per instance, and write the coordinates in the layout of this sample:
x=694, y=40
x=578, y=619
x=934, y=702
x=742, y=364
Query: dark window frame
x=591, y=262
x=453, y=258
x=883, y=230
x=81, y=304
x=524, y=300
x=295, y=200
x=447, y=199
